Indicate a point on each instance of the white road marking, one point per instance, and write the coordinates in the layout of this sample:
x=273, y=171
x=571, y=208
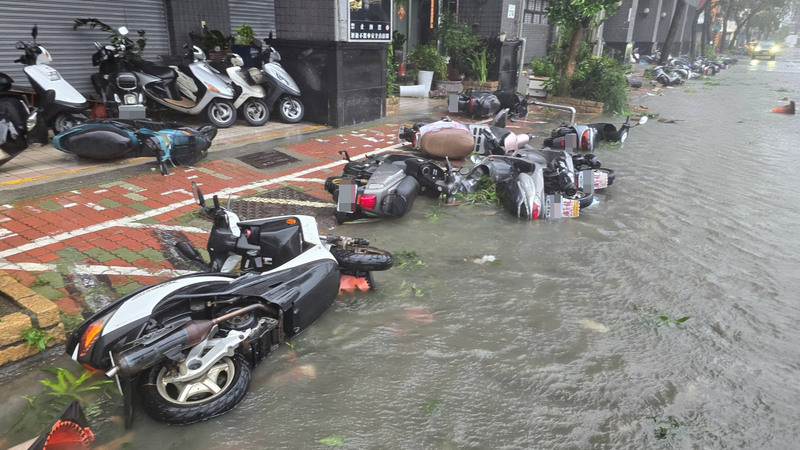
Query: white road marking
x=127, y=221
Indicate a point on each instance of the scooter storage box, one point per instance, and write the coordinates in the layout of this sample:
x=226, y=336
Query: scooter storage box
x=97, y=141
x=280, y=240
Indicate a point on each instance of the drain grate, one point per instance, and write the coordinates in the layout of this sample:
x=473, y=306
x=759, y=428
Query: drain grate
x=267, y=158
x=285, y=201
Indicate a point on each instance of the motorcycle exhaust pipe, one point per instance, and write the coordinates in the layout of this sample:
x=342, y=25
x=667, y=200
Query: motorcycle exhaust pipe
x=150, y=349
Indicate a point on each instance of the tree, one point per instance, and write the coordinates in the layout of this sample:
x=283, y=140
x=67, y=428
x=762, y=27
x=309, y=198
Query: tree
x=742, y=11
x=680, y=6
x=575, y=16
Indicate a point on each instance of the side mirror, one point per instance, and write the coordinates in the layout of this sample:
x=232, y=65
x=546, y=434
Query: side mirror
x=20, y=45
x=198, y=195
x=123, y=31
x=35, y=32
x=463, y=170
x=643, y=120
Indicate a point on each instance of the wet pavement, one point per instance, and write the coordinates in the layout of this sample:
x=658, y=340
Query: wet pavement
x=573, y=335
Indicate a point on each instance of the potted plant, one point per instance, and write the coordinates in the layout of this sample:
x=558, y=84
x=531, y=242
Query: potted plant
x=427, y=60
x=214, y=43
x=542, y=69
x=243, y=44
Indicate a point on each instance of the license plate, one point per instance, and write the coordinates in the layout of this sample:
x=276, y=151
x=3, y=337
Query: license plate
x=347, y=196
x=600, y=180
x=558, y=207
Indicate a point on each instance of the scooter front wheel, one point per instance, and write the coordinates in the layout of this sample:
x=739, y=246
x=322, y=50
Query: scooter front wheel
x=255, y=111
x=290, y=109
x=221, y=113
x=65, y=121
x=214, y=393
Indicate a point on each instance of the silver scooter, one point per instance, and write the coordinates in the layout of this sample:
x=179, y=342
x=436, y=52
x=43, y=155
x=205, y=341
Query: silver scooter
x=194, y=89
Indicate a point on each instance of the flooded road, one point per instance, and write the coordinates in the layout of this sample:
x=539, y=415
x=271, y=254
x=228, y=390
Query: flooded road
x=663, y=317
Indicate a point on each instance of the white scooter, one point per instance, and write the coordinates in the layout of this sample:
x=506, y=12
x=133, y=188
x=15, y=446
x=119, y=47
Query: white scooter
x=251, y=102
x=61, y=106
x=193, y=89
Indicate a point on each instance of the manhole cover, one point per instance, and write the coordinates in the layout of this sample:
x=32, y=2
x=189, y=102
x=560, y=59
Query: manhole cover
x=267, y=158
x=285, y=201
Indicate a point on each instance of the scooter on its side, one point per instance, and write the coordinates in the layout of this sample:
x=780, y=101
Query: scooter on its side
x=186, y=347
x=60, y=105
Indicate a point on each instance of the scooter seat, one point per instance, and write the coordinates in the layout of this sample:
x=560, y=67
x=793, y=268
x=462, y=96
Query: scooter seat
x=163, y=72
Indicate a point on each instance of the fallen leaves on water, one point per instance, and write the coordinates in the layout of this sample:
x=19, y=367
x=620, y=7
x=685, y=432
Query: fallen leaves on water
x=333, y=441
x=431, y=405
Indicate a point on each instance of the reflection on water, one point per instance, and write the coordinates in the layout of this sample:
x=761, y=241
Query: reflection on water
x=663, y=317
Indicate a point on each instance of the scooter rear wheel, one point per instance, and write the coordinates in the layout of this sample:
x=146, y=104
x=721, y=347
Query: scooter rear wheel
x=162, y=399
x=221, y=113
x=372, y=259
x=290, y=109
x=255, y=111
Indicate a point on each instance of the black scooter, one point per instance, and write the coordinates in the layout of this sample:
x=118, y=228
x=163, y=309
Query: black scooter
x=186, y=346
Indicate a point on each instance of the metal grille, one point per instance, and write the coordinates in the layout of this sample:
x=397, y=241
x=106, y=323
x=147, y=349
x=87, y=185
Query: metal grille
x=259, y=14
x=267, y=158
x=285, y=201
x=72, y=49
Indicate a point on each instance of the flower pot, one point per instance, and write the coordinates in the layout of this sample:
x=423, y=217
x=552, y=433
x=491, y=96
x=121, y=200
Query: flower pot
x=425, y=78
x=450, y=87
x=536, y=86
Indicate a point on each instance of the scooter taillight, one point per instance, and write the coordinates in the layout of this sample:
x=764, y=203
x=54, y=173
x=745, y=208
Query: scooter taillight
x=368, y=201
x=585, y=140
x=535, y=212
x=90, y=336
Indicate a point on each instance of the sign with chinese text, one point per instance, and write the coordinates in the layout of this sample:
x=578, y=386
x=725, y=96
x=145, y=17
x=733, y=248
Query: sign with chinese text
x=370, y=20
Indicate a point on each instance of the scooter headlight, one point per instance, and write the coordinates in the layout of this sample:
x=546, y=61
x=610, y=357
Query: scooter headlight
x=130, y=99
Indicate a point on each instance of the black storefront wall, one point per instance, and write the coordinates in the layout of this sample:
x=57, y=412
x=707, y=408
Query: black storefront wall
x=342, y=83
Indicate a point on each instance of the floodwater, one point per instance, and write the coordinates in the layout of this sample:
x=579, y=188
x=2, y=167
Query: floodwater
x=574, y=337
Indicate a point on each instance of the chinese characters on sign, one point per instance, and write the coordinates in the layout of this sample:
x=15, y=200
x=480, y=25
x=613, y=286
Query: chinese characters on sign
x=370, y=20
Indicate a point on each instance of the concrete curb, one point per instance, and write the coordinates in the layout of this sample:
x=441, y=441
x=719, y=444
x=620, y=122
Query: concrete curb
x=37, y=312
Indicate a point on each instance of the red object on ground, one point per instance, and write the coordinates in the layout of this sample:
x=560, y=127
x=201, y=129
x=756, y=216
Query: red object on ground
x=785, y=109
x=349, y=284
x=99, y=111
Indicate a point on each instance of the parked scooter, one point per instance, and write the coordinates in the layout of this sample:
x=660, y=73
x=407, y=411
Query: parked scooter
x=193, y=89
x=60, y=105
x=250, y=102
x=666, y=79
x=115, y=81
x=283, y=94
x=17, y=117
x=186, y=346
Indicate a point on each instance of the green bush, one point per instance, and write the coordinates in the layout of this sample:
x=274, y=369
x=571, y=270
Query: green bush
x=543, y=67
x=460, y=44
x=426, y=57
x=602, y=80
x=391, y=73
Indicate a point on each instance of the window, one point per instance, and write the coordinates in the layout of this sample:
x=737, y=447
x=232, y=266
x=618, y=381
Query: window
x=535, y=12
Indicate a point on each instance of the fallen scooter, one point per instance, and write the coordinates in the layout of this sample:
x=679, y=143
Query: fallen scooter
x=107, y=139
x=185, y=347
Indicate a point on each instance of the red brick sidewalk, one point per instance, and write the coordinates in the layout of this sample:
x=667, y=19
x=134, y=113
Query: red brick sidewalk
x=109, y=239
